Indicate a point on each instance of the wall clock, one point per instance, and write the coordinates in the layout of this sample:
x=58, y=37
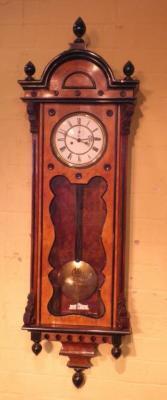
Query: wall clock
x=80, y=120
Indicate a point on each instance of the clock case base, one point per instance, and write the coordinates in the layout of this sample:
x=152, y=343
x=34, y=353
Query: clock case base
x=78, y=344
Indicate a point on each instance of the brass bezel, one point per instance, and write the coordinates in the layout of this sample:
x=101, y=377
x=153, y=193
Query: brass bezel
x=61, y=158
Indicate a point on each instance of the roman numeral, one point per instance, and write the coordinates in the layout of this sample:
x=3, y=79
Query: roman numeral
x=97, y=138
x=69, y=156
x=95, y=130
x=63, y=148
x=70, y=124
x=60, y=140
x=95, y=148
x=79, y=159
x=62, y=131
x=79, y=121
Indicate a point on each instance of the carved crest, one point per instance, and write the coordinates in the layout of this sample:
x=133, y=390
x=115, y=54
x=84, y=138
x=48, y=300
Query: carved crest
x=33, y=111
x=29, y=310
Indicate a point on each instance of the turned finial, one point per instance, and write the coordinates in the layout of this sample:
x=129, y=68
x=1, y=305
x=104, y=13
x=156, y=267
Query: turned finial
x=29, y=70
x=79, y=29
x=78, y=378
x=128, y=70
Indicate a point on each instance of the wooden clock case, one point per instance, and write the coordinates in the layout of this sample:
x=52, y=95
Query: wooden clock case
x=78, y=80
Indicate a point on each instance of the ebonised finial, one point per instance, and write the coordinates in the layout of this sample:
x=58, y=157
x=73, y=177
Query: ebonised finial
x=36, y=348
x=29, y=70
x=116, y=350
x=128, y=70
x=78, y=378
x=79, y=29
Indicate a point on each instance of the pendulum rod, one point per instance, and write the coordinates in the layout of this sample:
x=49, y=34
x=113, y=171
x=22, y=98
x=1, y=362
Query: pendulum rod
x=79, y=219
x=77, y=278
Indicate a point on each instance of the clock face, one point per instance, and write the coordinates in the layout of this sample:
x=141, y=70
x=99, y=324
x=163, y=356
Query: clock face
x=79, y=140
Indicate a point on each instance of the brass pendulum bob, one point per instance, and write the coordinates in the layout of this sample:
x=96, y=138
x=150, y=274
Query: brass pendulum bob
x=77, y=278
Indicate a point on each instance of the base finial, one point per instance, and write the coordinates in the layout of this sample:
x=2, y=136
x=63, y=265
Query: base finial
x=116, y=350
x=36, y=348
x=78, y=377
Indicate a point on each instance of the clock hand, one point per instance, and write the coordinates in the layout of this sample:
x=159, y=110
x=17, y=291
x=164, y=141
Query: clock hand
x=80, y=140
x=84, y=140
x=88, y=139
x=72, y=137
x=87, y=144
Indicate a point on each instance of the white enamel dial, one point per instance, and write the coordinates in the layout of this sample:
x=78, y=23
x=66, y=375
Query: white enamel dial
x=78, y=140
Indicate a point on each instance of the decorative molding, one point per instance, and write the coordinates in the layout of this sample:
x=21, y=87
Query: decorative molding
x=29, y=310
x=68, y=55
x=78, y=330
x=86, y=81
x=76, y=100
x=126, y=114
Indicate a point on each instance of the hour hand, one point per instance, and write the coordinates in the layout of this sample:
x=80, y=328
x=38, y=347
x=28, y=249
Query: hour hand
x=87, y=141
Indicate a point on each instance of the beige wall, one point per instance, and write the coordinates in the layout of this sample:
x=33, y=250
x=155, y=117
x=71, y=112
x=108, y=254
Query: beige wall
x=119, y=30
